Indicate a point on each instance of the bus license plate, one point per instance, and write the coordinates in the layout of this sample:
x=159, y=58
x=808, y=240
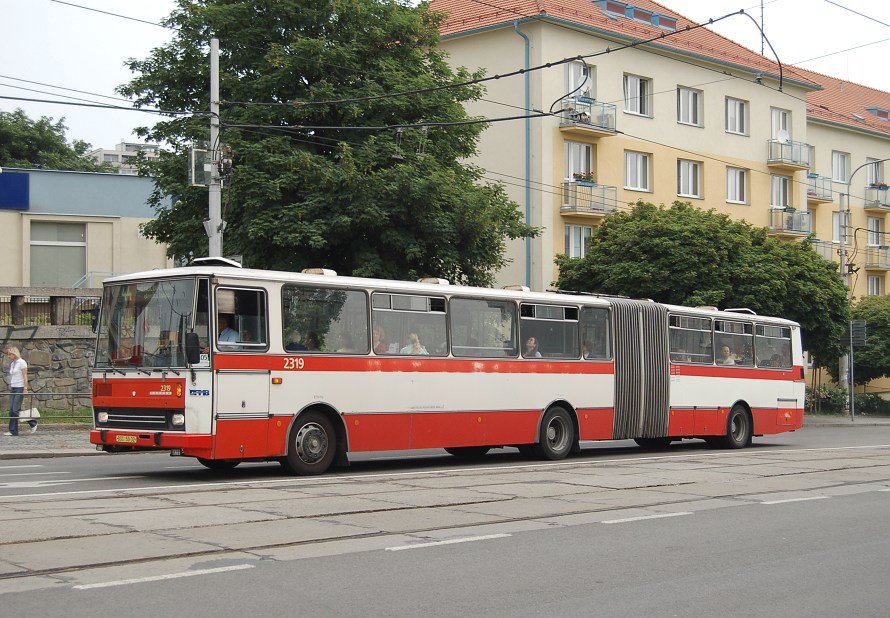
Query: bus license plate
x=125, y=439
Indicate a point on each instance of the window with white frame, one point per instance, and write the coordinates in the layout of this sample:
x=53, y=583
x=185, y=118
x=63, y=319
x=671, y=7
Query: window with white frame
x=876, y=285
x=780, y=123
x=836, y=226
x=780, y=191
x=637, y=91
x=688, y=178
x=875, y=227
x=840, y=166
x=636, y=171
x=874, y=172
x=577, y=237
x=58, y=253
x=736, y=185
x=689, y=106
x=736, y=116
x=579, y=80
x=579, y=158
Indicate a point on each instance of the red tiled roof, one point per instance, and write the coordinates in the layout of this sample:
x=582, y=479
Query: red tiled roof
x=834, y=104
x=839, y=100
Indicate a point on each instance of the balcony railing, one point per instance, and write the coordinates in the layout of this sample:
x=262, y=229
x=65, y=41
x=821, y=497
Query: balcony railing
x=588, y=198
x=819, y=188
x=826, y=249
x=790, y=220
x=787, y=153
x=588, y=113
x=877, y=257
x=877, y=198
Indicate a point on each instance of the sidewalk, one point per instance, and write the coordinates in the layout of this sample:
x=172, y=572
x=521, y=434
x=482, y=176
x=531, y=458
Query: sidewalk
x=53, y=440
x=50, y=440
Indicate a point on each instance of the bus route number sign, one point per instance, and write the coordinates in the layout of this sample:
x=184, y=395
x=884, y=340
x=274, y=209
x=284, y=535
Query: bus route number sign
x=294, y=362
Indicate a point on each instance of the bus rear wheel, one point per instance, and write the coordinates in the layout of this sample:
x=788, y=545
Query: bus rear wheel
x=557, y=435
x=738, y=428
x=218, y=465
x=311, y=444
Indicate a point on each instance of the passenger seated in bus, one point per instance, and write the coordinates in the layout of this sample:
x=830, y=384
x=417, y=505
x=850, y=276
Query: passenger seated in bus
x=414, y=346
x=312, y=344
x=775, y=361
x=531, y=348
x=295, y=342
x=725, y=357
x=381, y=343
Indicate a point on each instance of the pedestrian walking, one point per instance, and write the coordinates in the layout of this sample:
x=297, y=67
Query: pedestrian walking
x=18, y=386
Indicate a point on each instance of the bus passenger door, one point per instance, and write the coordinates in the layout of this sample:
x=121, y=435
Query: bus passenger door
x=242, y=414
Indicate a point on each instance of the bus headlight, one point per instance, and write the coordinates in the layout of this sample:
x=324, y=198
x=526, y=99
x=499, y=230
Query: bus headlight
x=102, y=417
x=178, y=420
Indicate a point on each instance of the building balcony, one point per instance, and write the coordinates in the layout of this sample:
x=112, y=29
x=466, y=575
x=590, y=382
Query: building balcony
x=877, y=199
x=788, y=155
x=588, y=199
x=819, y=189
x=877, y=258
x=826, y=249
x=586, y=117
x=790, y=222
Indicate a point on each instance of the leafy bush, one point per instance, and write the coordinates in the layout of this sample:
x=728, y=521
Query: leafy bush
x=871, y=404
x=826, y=400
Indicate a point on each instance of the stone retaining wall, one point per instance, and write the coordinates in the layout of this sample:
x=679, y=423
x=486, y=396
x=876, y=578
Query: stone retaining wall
x=60, y=359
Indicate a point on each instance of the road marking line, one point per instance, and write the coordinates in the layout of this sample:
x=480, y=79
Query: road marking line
x=468, y=539
x=3, y=476
x=794, y=500
x=155, y=578
x=645, y=517
x=17, y=467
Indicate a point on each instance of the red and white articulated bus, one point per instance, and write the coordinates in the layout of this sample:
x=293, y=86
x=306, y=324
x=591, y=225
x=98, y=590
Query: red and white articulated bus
x=228, y=365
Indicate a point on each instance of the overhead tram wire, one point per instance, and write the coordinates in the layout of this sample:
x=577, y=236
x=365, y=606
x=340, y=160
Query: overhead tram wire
x=89, y=8
x=105, y=106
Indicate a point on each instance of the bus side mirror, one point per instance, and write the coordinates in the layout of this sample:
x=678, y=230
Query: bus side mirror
x=192, y=348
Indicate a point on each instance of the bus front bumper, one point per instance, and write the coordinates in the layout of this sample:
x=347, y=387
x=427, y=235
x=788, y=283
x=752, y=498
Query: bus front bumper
x=114, y=441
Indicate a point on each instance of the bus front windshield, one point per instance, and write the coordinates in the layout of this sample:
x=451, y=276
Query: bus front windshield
x=143, y=324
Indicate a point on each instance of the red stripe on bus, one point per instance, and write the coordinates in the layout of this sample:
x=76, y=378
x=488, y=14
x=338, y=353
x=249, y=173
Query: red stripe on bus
x=724, y=371
x=409, y=364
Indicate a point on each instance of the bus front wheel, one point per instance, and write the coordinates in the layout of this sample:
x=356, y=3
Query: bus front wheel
x=557, y=435
x=311, y=444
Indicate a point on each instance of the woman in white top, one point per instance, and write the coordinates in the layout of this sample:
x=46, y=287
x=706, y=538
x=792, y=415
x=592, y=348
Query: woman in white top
x=18, y=386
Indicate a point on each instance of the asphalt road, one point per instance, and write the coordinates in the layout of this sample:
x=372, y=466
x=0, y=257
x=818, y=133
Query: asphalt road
x=795, y=526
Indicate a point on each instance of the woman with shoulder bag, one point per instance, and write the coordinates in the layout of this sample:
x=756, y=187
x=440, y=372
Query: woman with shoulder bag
x=18, y=386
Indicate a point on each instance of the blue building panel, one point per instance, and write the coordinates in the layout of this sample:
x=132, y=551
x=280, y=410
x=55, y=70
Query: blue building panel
x=90, y=194
x=14, y=191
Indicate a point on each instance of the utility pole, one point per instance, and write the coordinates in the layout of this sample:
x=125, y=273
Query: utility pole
x=214, y=225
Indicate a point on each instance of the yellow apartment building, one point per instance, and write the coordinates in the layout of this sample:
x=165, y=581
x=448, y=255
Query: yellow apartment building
x=628, y=102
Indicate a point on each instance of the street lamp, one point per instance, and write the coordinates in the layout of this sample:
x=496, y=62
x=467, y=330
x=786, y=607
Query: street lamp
x=846, y=218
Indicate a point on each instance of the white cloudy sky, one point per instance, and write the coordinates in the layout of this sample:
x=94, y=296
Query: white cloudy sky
x=55, y=43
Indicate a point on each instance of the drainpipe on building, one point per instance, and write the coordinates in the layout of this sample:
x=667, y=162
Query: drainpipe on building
x=528, y=163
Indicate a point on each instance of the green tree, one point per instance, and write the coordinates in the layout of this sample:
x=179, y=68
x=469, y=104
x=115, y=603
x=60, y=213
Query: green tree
x=872, y=360
x=41, y=144
x=686, y=256
x=316, y=181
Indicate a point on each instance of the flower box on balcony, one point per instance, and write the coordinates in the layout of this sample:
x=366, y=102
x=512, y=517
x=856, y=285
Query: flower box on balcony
x=585, y=183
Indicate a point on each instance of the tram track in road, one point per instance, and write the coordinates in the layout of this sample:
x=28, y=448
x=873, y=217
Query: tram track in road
x=563, y=512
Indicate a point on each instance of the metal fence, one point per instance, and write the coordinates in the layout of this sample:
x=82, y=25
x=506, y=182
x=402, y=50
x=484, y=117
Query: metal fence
x=56, y=406
x=48, y=306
